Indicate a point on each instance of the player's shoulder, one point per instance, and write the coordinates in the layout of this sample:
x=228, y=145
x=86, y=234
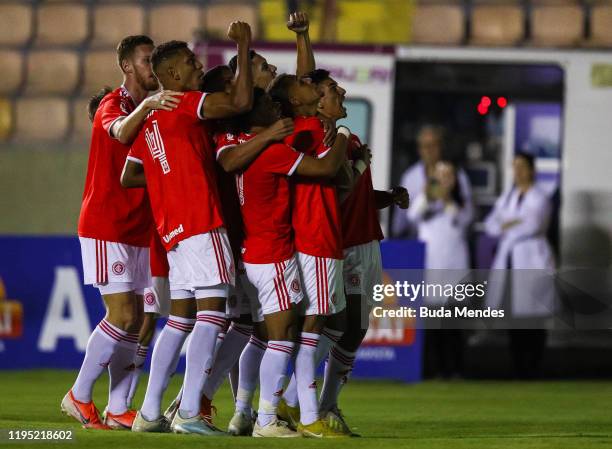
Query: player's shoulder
x=118, y=98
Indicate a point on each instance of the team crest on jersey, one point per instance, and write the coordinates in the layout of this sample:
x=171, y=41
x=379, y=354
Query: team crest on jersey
x=118, y=268
x=156, y=147
x=295, y=286
x=355, y=280
x=149, y=298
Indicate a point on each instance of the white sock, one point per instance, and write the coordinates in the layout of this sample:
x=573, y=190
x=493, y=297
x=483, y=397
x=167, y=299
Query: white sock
x=338, y=368
x=164, y=360
x=232, y=377
x=327, y=339
x=305, y=375
x=248, y=377
x=139, y=361
x=272, y=378
x=120, y=371
x=100, y=348
x=236, y=338
x=200, y=353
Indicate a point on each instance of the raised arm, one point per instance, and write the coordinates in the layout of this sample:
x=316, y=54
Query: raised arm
x=133, y=175
x=298, y=23
x=240, y=99
x=328, y=165
x=240, y=156
x=125, y=129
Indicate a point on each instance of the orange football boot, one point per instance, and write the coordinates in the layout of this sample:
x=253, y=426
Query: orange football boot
x=86, y=413
x=123, y=421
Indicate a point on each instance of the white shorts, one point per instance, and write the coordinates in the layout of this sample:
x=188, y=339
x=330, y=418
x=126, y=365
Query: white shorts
x=157, y=296
x=202, y=260
x=277, y=286
x=323, y=286
x=242, y=299
x=115, y=267
x=362, y=269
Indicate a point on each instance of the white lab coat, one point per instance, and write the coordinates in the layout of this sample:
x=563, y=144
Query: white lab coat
x=414, y=180
x=526, y=250
x=443, y=230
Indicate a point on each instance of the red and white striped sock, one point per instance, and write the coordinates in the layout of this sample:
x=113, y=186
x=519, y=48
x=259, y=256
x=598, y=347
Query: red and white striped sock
x=164, y=360
x=235, y=340
x=327, y=339
x=100, y=349
x=120, y=372
x=200, y=353
x=272, y=378
x=139, y=361
x=337, y=371
x=305, y=371
x=248, y=377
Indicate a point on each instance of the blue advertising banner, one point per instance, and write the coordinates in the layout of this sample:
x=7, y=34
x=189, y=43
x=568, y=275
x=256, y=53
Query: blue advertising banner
x=47, y=314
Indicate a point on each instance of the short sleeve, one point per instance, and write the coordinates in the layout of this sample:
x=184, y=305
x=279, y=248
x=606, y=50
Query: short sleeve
x=281, y=159
x=308, y=136
x=191, y=104
x=136, y=151
x=113, y=109
x=223, y=141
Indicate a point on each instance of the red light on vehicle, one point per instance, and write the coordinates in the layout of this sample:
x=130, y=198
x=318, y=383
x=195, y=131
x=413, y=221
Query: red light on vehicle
x=485, y=101
x=482, y=109
x=502, y=102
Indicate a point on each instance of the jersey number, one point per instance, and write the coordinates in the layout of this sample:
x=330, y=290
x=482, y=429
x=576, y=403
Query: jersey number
x=156, y=147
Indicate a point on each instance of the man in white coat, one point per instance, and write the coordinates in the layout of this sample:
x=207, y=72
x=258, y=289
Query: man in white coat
x=417, y=177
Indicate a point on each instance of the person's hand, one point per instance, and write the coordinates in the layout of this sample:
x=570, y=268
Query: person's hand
x=280, y=129
x=509, y=224
x=166, y=100
x=298, y=22
x=400, y=197
x=240, y=32
x=330, y=132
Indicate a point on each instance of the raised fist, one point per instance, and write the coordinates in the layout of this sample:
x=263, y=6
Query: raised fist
x=298, y=22
x=239, y=32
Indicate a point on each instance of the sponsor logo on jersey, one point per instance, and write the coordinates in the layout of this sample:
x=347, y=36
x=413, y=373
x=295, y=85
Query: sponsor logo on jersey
x=11, y=315
x=173, y=233
x=149, y=298
x=156, y=146
x=118, y=268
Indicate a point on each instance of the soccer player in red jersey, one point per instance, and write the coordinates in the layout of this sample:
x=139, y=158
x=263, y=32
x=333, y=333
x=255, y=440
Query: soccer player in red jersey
x=114, y=231
x=269, y=252
x=173, y=157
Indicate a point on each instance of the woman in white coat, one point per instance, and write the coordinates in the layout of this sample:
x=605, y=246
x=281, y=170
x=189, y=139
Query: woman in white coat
x=442, y=216
x=520, y=220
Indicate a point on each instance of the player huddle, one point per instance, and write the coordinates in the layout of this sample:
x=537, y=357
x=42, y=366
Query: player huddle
x=232, y=204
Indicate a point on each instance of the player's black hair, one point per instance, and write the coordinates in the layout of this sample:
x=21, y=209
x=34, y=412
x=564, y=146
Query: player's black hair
x=213, y=80
x=233, y=63
x=279, y=91
x=125, y=48
x=94, y=102
x=456, y=193
x=528, y=158
x=318, y=75
x=166, y=51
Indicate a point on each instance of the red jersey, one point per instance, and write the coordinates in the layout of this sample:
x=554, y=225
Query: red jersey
x=110, y=212
x=359, y=213
x=176, y=151
x=263, y=190
x=228, y=193
x=158, y=259
x=316, y=214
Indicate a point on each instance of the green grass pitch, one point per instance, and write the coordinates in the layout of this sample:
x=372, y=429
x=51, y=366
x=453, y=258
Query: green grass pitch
x=430, y=415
